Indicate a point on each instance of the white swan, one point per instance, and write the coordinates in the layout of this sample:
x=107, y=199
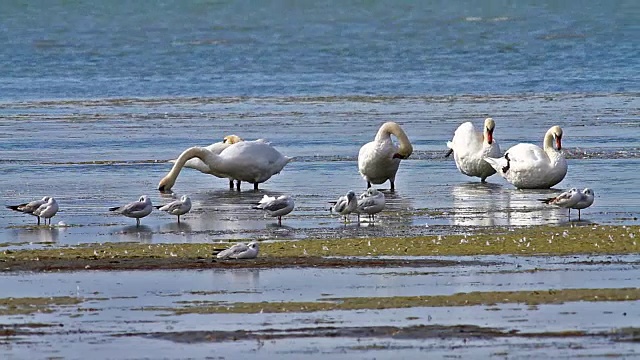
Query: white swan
x=470, y=147
x=378, y=160
x=215, y=148
x=251, y=161
x=527, y=166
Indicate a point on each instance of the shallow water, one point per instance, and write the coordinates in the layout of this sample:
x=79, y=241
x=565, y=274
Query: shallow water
x=102, y=154
x=115, y=303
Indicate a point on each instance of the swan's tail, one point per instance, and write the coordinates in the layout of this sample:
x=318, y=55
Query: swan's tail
x=497, y=163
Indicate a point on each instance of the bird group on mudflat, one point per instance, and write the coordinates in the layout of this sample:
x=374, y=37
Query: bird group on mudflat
x=476, y=154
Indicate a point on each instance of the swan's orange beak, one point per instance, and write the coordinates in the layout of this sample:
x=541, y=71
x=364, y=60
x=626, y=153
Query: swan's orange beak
x=489, y=136
x=559, y=142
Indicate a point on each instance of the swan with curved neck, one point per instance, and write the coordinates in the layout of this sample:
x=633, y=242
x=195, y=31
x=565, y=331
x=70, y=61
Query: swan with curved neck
x=378, y=160
x=470, y=147
x=527, y=166
x=250, y=161
x=216, y=148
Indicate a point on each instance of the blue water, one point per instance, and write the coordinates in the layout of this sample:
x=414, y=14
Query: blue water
x=103, y=49
x=96, y=96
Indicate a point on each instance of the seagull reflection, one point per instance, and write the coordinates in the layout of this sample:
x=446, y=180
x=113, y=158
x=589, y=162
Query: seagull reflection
x=134, y=233
x=176, y=227
x=36, y=235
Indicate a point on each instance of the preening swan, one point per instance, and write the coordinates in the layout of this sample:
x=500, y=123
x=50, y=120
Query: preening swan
x=215, y=148
x=251, y=161
x=378, y=160
x=470, y=147
x=527, y=166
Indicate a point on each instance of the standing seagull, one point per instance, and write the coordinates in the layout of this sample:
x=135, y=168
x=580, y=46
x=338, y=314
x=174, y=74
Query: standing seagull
x=346, y=204
x=371, y=202
x=177, y=207
x=240, y=251
x=566, y=200
x=276, y=207
x=378, y=160
x=586, y=200
x=47, y=210
x=30, y=207
x=137, y=210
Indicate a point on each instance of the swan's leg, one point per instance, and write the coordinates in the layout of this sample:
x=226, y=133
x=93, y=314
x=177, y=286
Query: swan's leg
x=393, y=185
x=38, y=220
x=255, y=186
x=230, y=184
x=178, y=219
x=137, y=222
x=368, y=184
x=238, y=185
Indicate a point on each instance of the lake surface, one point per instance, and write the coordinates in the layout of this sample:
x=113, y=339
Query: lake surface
x=97, y=96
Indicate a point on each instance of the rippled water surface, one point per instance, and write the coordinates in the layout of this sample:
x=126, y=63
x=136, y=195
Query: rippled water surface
x=97, y=96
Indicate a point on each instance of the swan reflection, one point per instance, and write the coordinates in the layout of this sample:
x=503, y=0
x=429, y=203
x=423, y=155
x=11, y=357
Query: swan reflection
x=477, y=204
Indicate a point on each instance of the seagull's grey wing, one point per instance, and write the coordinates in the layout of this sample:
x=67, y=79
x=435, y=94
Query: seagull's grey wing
x=366, y=202
x=133, y=207
x=234, y=250
x=340, y=205
x=174, y=205
x=277, y=204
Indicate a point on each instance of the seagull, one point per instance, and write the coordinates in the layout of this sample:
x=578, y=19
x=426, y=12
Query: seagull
x=240, y=251
x=586, y=200
x=177, y=207
x=346, y=204
x=30, y=207
x=567, y=199
x=276, y=207
x=137, y=209
x=47, y=210
x=370, y=202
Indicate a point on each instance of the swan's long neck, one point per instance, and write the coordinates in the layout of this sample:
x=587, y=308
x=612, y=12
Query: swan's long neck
x=404, y=149
x=548, y=142
x=203, y=154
